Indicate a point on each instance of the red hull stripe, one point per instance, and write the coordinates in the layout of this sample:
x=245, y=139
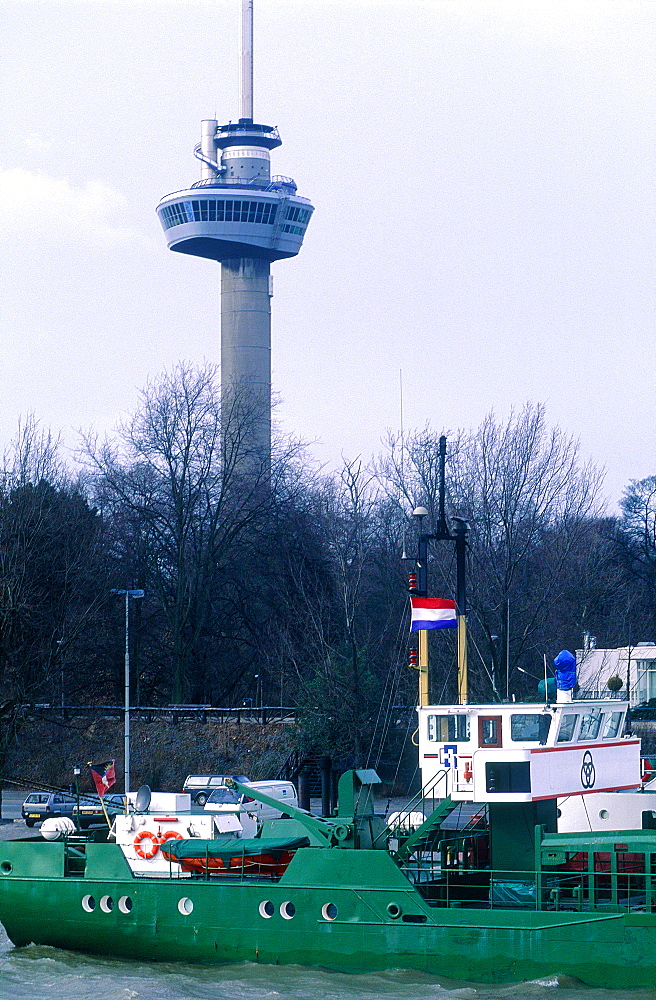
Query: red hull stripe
x=589, y=791
x=585, y=746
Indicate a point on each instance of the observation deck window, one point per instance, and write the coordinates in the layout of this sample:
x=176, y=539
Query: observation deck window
x=218, y=210
x=296, y=214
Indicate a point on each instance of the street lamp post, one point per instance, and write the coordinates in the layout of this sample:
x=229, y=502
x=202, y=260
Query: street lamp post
x=128, y=594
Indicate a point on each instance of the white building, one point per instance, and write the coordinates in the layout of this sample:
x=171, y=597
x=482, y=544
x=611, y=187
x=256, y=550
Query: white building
x=634, y=665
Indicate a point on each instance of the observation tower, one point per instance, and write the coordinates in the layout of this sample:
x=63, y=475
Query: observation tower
x=241, y=215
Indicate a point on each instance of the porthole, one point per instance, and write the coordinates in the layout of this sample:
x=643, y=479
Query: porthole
x=394, y=910
x=287, y=910
x=185, y=905
x=125, y=904
x=106, y=904
x=267, y=909
x=7, y=867
x=603, y=814
x=329, y=911
x=88, y=904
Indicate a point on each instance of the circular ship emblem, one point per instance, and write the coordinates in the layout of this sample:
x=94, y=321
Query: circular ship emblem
x=587, y=770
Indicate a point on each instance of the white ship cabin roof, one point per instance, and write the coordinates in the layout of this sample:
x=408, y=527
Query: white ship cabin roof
x=523, y=752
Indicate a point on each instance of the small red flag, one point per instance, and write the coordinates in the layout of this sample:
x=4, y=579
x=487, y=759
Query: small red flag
x=104, y=776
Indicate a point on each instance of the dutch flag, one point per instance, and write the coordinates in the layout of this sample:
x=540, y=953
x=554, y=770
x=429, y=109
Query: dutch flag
x=432, y=612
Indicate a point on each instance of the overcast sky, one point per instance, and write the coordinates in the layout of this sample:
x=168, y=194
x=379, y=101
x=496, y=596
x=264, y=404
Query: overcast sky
x=483, y=177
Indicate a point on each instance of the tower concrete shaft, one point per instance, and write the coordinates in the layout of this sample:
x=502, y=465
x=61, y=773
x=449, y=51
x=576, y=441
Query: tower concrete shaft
x=246, y=363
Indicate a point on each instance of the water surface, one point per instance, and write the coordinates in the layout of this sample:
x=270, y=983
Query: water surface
x=39, y=972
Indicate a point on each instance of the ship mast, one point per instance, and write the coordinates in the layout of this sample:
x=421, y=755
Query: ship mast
x=459, y=536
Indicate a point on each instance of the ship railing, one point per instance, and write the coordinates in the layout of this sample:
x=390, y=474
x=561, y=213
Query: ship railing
x=426, y=800
x=448, y=878
x=206, y=870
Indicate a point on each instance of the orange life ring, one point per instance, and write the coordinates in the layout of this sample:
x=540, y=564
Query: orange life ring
x=647, y=769
x=149, y=852
x=169, y=835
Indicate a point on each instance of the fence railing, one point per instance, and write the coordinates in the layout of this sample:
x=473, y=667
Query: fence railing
x=260, y=714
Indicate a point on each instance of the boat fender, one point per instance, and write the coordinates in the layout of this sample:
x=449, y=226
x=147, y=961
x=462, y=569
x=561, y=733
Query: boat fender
x=146, y=852
x=57, y=827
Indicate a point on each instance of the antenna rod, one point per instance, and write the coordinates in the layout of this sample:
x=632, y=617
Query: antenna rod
x=442, y=518
x=246, y=61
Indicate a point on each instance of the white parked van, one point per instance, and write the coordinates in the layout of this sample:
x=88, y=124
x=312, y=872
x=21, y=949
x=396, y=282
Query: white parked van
x=229, y=800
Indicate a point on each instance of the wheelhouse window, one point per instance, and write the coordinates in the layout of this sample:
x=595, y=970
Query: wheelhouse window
x=566, y=729
x=448, y=728
x=612, y=725
x=529, y=728
x=590, y=724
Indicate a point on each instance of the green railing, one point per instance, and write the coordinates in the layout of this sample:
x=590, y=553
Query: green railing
x=458, y=884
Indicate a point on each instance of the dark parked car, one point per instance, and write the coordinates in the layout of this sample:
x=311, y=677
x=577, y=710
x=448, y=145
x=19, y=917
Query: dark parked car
x=41, y=805
x=91, y=811
x=200, y=786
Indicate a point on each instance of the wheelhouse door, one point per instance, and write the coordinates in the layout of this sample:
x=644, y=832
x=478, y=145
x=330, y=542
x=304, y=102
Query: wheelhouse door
x=489, y=730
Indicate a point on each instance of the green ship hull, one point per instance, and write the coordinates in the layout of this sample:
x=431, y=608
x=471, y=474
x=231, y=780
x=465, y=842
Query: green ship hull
x=346, y=910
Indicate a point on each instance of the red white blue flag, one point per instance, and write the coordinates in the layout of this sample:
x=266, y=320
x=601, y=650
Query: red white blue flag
x=432, y=612
x=104, y=776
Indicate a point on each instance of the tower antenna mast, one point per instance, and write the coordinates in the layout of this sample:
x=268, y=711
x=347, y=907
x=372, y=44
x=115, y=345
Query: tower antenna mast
x=246, y=61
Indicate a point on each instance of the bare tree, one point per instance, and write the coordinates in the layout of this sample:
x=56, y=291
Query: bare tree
x=636, y=540
x=189, y=502
x=528, y=499
x=49, y=560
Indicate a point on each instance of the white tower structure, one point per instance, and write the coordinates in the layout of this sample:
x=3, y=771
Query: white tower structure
x=243, y=217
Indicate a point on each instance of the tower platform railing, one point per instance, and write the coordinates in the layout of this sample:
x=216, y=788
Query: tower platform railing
x=275, y=184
